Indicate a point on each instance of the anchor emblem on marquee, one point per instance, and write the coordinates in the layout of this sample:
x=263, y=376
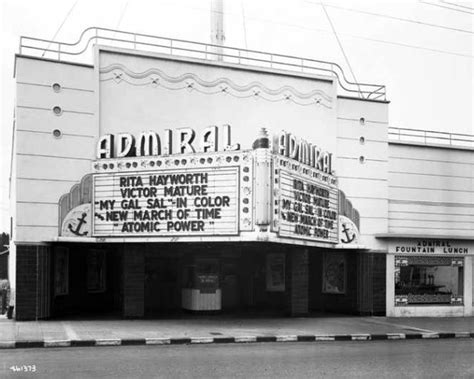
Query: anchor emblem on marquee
x=346, y=231
x=81, y=220
x=77, y=222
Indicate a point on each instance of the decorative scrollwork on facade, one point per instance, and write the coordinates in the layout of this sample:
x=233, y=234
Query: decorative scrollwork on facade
x=156, y=78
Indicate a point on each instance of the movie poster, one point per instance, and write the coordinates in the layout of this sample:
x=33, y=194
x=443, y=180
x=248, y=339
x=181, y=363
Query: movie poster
x=334, y=273
x=275, y=272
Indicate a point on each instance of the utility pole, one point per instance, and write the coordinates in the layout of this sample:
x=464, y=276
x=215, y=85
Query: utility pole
x=217, y=28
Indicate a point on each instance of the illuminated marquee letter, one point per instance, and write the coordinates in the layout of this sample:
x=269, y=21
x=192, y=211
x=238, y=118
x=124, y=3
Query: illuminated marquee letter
x=185, y=140
x=168, y=142
x=209, y=139
x=317, y=158
x=327, y=163
x=105, y=147
x=126, y=144
x=280, y=143
x=292, y=147
x=303, y=152
x=225, y=129
x=148, y=144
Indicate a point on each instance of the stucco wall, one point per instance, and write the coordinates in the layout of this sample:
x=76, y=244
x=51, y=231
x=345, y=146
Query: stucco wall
x=431, y=191
x=365, y=184
x=47, y=167
x=141, y=93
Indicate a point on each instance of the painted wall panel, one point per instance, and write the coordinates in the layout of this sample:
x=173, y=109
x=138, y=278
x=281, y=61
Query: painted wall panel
x=41, y=120
x=49, y=168
x=353, y=147
x=36, y=234
x=436, y=208
x=431, y=224
x=361, y=187
x=353, y=129
x=46, y=144
x=430, y=153
x=414, y=194
x=355, y=109
x=47, y=73
x=32, y=191
x=457, y=183
x=351, y=167
x=37, y=214
x=421, y=165
x=429, y=217
x=39, y=96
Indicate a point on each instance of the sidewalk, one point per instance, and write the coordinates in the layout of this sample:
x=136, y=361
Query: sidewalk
x=216, y=329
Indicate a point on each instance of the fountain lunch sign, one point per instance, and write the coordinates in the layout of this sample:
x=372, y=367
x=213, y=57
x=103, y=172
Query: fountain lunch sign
x=181, y=183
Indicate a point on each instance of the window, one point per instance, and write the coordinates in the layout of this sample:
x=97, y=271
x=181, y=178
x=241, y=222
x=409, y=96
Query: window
x=428, y=280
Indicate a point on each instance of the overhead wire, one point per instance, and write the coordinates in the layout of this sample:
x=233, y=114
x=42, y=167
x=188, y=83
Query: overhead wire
x=445, y=7
x=122, y=14
x=340, y=46
x=320, y=30
x=394, y=43
x=60, y=27
x=243, y=22
x=457, y=5
x=396, y=18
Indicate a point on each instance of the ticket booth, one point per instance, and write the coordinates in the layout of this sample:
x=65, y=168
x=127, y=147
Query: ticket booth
x=201, y=288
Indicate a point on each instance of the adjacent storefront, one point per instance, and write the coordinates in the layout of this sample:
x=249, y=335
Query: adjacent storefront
x=429, y=277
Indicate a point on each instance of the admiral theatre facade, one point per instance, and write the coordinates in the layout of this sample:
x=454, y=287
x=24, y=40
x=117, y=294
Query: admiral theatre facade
x=151, y=183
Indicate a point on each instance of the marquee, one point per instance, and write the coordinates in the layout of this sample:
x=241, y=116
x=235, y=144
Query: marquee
x=210, y=189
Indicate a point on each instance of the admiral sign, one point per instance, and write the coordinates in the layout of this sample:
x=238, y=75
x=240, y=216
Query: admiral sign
x=180, y=183
x=308, y=195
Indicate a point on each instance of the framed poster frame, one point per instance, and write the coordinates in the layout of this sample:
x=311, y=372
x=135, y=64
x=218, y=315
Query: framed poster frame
x=334, y=278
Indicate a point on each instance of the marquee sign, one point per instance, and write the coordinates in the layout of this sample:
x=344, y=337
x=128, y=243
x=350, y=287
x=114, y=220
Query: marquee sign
x=180, y=183
x=307, y=204
x=200, y=201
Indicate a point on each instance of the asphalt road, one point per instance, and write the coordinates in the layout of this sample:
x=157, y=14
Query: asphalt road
x=376, y=359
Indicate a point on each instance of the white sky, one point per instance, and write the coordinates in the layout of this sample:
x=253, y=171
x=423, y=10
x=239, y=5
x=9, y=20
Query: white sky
x=428, y=70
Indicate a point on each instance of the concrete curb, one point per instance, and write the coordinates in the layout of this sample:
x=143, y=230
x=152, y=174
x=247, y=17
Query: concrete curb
x=238, y=339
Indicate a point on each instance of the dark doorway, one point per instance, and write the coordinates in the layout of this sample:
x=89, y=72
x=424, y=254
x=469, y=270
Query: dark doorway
x=162, y=289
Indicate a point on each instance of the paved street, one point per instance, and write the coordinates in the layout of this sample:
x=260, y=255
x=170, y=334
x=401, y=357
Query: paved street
x=376, y=359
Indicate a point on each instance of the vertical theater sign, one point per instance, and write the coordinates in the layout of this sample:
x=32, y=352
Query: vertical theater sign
x=181, y=185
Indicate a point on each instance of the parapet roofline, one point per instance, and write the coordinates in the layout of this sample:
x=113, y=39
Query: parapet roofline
x=96, y=35
x=24, y=56
x=207, y=62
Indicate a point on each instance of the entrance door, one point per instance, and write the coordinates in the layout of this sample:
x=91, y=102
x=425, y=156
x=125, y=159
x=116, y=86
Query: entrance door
x=230, y=288
x=162, y=290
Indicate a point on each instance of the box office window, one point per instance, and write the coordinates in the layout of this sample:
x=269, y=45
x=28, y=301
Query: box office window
x=202, y=275
x=429, y=280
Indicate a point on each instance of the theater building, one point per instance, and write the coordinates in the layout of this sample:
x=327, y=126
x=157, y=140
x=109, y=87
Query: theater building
x=153, y=177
